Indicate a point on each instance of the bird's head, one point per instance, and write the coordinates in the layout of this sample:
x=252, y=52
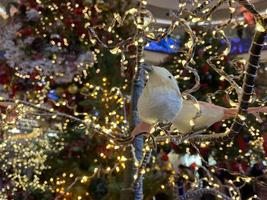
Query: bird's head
x=161, y=77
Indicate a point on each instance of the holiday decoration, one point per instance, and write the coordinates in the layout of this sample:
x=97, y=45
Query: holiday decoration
x=74, y=82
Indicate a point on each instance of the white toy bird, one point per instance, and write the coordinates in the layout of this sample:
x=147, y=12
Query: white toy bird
x=161, y=101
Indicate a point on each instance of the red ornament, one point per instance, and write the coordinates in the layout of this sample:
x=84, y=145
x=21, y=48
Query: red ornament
x=164, y=157
x=248, y=16
x=193, y=166
x=222, y=85
x=4, y=79
x=205, y=69
x=173, y=145
x=80, y=30
x=241, y=143
x=244, y=165
x=25, y=32
x=78, y=11
x=235, y=166
x=204, y=151
x=6, y=74
x=34, y=75
x=68, y=21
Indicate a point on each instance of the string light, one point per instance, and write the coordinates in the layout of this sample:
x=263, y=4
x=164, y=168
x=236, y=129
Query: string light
x=115, y=126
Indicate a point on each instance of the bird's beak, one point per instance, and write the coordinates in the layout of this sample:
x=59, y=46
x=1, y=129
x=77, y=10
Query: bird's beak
x=148, y=68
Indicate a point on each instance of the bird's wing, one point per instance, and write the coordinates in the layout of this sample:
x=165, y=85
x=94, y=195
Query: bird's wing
x=210, y=114
x=159, y=105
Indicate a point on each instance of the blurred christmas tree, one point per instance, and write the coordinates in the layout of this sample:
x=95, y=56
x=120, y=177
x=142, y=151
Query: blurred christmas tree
x=57, y=63
x=48, y=57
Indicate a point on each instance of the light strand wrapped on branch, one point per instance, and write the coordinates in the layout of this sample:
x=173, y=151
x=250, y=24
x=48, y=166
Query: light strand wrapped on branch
x=248, y=85
x=117, y=138
x=200, y=192
x=220, y=71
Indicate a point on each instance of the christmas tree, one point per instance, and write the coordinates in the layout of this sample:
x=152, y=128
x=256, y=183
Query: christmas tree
x=71, y=72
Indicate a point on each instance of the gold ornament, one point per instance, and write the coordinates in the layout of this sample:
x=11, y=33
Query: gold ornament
x=73, y=89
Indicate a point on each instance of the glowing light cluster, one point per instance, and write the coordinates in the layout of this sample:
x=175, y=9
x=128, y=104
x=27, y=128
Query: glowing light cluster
x=25, y=147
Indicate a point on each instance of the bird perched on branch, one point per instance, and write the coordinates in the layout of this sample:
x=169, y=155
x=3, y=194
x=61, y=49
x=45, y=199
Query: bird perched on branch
x=161, y=101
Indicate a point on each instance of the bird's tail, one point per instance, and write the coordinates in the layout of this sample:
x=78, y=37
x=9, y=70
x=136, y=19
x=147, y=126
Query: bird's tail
x=256, y=112
x=231, y=112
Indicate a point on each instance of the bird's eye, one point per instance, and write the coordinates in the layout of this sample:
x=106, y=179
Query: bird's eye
x=170, y=77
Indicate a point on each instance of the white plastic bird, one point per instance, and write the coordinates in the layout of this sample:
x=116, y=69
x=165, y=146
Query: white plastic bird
x=161, y=101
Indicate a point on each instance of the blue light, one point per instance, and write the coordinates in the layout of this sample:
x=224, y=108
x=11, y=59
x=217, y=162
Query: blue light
x=169, y=45
x=52, y=95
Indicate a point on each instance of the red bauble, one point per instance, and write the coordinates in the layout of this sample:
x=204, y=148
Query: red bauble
x=80, y=30
x=241, y=143
x=25, y=32
x=204, y=151
x=222, y=85
x=193, y=166
x=5, y=74
x=235, y=166
x=78, y=11
x=205, y=68
x=68, y=21
x=4, y=79
x=173, y=146
x=248, y=16
x=164, y=157
x=34, y=74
